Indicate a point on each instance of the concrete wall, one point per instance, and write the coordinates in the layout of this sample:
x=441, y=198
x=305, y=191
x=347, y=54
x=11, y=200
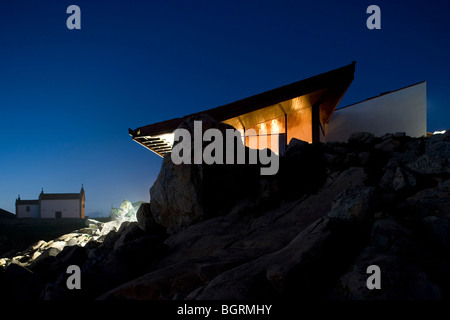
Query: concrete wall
x=21, y=211
x=69, y=208
x=404, y=110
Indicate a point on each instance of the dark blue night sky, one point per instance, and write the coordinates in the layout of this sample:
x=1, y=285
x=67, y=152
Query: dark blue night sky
x=68, y=97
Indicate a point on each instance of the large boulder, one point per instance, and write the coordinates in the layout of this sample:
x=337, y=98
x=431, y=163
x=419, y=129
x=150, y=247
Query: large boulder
x=147, y=222
x=187, y=193
x=361, y=138
x=126, y=212
x=398, y=179
x=386, y=232
x=431, y=201
x=298, y=270
x=435, y=160
x=353, y=204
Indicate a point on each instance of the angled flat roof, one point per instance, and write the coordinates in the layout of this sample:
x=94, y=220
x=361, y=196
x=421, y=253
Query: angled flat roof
x=326, y=88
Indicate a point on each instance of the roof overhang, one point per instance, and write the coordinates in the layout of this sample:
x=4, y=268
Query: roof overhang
x=325, y=90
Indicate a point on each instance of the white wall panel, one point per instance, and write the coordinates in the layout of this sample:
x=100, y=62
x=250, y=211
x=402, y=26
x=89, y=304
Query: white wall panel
x=404, y=110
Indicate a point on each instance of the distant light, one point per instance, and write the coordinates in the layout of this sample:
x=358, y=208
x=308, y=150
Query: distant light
x=440, y=132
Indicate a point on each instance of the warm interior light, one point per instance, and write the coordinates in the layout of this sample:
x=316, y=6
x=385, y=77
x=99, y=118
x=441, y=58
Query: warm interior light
x=263, y=126
x=275, y=128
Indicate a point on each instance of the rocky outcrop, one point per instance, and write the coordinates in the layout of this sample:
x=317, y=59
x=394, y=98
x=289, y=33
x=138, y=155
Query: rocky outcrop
x=309, y=232
x=187, y=193
x=436, y=158
x=126, y=212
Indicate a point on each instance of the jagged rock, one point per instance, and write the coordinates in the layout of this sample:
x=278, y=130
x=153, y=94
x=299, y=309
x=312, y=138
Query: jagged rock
x=266, y=243
x=361, y=138
x=253, y=279
x=435, y=160
x=385, y=232
x=387, y=178
x=330, y=158
x=412, y=150
x=296, y=147
x=431, y=201
x=187, y=193
x=147, y=222
x=132, y=232
x=161, y=284
x=364, y=158
x=297, y=268
x=352, y=159
x=88, y=231
x=93, y=223
x=108, y=227
x=354, y=204
x=389, y=145
x=229, y=241
x=126, y=211
x=143, y=214
x=398, y=179
x=403, y=179
x=399, y=135
x=4, y=262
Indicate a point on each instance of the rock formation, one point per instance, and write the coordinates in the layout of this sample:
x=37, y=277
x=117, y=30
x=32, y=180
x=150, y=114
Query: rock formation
x=309, y=232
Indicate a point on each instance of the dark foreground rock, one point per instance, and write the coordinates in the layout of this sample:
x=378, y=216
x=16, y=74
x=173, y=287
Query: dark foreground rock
x=309, y=232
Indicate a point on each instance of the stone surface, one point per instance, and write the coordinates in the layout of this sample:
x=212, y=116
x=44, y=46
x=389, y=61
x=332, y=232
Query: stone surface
x=403, y=179
x=435, y=160
x=389, y=145
x=385, y=232
x=309, y=232
x=353, y=204
x=361, y=137
x=126, y=211
x=296, y=147
x=184, y=194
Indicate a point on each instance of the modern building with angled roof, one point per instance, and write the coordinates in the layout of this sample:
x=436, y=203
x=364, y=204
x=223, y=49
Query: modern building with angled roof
x=53, y=205
x=305, y=110
x=297, y=110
